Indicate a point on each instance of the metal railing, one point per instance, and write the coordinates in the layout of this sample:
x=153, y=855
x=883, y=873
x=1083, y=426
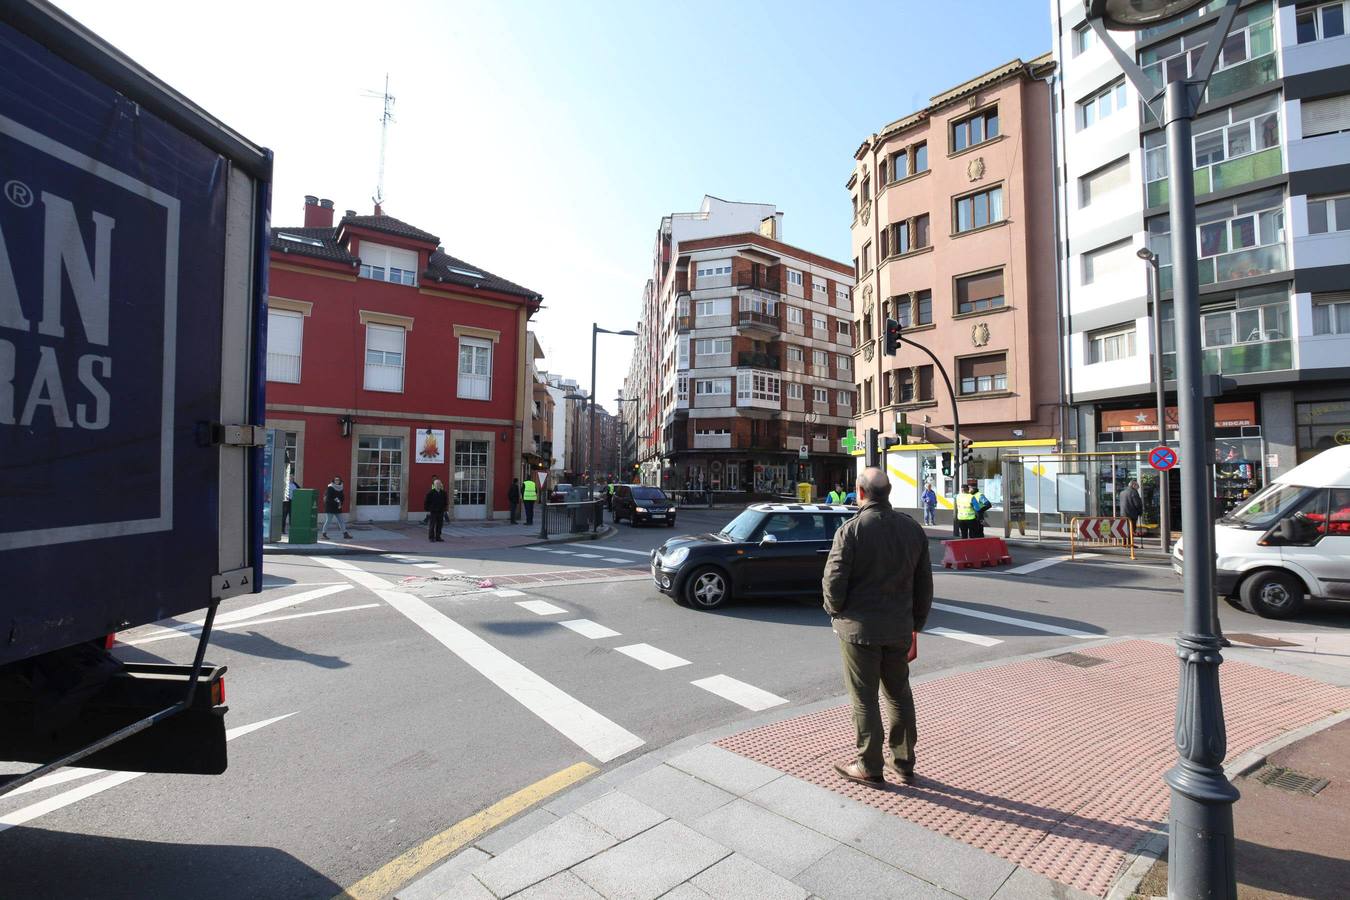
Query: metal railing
x=686, y=498
x=576, y=517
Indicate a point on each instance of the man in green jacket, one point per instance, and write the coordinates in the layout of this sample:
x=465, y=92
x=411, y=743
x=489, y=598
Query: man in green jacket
x=878, y=589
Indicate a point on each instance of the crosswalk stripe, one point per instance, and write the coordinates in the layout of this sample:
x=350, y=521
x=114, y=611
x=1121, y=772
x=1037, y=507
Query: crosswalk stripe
x=587, y=628
x=1045, y=563
x=427, y=565
x=540, y=607
x=739, y=692
x=592, y=732
x=1013, y=620
x=589, y=555
x=626, y=550
x=508, y=592
x=653, y=656
x=615, y=559
x=448, y=571
x=539, y=549
x=964, y=636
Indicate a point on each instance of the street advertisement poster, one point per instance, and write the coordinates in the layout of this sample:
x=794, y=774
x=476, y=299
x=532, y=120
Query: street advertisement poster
x=431, y=445
x=1071, y=490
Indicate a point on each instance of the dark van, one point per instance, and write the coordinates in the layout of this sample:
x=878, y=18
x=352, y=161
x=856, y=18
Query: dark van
x=639, y=503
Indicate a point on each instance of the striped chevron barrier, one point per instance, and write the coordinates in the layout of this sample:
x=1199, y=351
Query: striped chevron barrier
x=1113, y=530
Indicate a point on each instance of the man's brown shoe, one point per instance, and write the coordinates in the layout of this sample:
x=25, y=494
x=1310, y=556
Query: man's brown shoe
x=903, y=772
x=854, y=772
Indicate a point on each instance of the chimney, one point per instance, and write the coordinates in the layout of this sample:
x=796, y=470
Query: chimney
x=318, y=213
x=378, y=210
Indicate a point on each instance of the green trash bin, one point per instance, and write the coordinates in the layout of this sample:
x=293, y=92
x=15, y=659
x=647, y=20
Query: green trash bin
x=304, y=516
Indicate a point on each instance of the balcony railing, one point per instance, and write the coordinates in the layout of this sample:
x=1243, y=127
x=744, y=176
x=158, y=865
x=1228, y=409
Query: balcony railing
x=1241, y=359
x=1246, y=263
x=712, y=441
x=753, y=279
x=1223, y=175
x=758, y=360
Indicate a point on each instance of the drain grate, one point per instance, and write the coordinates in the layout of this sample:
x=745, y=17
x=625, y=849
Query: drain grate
x=1291, y=781
x=1081, y=660
x=1257, y=640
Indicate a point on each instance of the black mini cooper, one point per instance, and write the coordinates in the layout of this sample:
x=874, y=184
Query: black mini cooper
x=769, y=550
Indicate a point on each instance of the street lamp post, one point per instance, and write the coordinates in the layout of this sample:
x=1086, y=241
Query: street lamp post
x=590, y=443
x=1164, y=494
x=1200, y=821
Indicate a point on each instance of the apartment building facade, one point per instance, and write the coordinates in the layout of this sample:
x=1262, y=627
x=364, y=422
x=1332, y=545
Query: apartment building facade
x=743, y=368
x=952, y=238
x=390, y=363
x=1272, y=181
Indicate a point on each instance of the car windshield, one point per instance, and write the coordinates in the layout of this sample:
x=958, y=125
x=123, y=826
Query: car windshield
x=741, y=527
x=648, y=493
x=564, y=488
x=1267, y=507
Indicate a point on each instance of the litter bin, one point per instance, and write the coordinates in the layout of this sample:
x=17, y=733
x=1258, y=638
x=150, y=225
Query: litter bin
x=804, y=491
x=304, y=516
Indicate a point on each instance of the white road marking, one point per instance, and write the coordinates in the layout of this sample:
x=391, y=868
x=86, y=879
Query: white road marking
x=260, y=609
x=616, y=559
x=588, y=729
x=1044, y=564
x=248, y=623
x=626, y=550
x=539, y=549
x=964, y=636
x=75, y=795
x=60, y=776
x=508, y=592
x=739, y=692
x=448, y=571
x=587, y=628
x=1013, y=620
x=563, y=552
x=589, y=555
x=427, y=565
x=400, y=556
x=540, y=607
x=652, y=656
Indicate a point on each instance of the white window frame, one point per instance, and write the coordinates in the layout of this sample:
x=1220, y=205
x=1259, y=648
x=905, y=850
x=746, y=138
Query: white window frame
x=843, y=362
x=1106, y=346
x=682, y=352
x=377, y=264
x=820, y=395
x=1101, y=104
x=820, y=358
x=818, y=287
x=388, y=359
x=820, y=323
x=795, y=316
x=475, y=384
x=1332, y=216
x=794, y=391
x=1318, y=23
x=796, y=354
x=716, y=306
x=713, y=268
x=712, y=347
x=1084, y=39
x=1336, y=318
x=843, y=400
x=794, y=277
x=842, y=299
x=682, y=388
x=1155, y=143
x=757, y=385
x=274, y=374
x=712, y=387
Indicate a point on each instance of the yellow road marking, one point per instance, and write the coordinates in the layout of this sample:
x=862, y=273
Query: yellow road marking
x=401, y=870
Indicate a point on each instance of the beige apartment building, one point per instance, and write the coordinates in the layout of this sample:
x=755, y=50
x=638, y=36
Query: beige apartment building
x=953, y=236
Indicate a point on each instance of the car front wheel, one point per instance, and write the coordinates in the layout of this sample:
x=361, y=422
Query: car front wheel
x=1272, y=594
x=707, y=588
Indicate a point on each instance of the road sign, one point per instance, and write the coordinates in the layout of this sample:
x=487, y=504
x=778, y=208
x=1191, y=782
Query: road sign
x=801, y=452
x=849, y=441
x=1162, y=458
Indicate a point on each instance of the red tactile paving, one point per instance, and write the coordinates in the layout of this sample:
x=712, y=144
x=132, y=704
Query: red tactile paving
x=568, y=575
x=1050, y=766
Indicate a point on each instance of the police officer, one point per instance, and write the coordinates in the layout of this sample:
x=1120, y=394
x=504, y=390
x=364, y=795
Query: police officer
x=981, y=504
x=837, y=495
x=529, y=494
x=965, y=512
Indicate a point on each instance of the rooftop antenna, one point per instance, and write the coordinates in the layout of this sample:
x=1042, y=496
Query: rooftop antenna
x=386, y=118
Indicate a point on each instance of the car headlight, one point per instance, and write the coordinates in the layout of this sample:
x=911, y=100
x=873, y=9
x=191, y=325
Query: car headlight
x=641, y=509
x=676, y=557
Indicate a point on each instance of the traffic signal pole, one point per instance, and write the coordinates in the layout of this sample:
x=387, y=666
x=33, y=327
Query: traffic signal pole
x=893, y=341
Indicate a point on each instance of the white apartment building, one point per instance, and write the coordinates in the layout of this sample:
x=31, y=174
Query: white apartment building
x=1272, y=156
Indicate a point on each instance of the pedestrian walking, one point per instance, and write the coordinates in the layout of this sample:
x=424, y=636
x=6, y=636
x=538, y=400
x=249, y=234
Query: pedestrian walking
x=1132, y=505
x=291, y=488
x=878, y=588
x=530, y=494
x=513, y=499
x=965, y=512
x=435, y=503
x=929, y=500
x=333, y=497
x=837, y=495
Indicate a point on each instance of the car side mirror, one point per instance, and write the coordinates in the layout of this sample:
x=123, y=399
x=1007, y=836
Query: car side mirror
x=769, y=539
x=1292, y=531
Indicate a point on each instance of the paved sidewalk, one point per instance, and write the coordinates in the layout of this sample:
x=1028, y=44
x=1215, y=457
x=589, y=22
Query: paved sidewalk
x=1039, y=777
x=393, y=537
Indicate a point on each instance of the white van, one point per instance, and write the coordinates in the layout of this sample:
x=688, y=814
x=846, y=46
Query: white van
x=1289, y=541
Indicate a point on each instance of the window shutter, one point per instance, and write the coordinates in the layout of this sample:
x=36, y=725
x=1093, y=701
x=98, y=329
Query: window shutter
x=980, y=287
x=388, y=338
x=284, y=332
x=1326, y=116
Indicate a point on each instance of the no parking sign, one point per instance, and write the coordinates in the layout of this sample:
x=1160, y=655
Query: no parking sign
x=1162, y=458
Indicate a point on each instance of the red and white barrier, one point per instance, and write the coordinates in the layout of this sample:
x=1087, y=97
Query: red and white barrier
x=1114, y=530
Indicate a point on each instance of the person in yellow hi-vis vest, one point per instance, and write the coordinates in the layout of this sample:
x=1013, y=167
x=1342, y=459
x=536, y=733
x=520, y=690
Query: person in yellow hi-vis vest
x=837, y=495
x=965, y=512
x=529, y=493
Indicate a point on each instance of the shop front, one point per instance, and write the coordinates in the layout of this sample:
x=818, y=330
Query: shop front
x=1320, y=425
x=912, y=467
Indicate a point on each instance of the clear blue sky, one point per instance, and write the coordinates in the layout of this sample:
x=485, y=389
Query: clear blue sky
x=544, y=141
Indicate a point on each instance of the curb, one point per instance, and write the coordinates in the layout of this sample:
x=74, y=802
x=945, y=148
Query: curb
x=609, y=531
x=319, y=549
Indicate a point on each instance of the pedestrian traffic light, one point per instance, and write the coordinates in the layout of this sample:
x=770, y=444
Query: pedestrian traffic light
x=892, y=337
x=967, y=451
x=871, y=455
x=946, y=463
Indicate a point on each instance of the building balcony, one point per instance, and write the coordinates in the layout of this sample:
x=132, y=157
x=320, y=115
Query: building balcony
x=753, y=280
x=821, y=445
x=684, y=323
x=758, y=360
x=1220, y=176
x=1241, y=359
x=1247, y=263
x=762, y=323
x=712, y=441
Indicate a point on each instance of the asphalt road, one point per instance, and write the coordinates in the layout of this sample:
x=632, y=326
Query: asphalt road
x=396, y=697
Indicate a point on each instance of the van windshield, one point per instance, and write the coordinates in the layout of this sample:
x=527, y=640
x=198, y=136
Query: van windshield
x=1267, y=507
x=648, y=493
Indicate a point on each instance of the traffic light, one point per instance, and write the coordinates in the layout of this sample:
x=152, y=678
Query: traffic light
x=947, y=463
x=871, y=456
x=892, y=337
x=888, y=441
x=967, y=451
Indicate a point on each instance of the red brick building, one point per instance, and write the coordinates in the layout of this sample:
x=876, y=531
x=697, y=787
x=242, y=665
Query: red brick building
x=391, y=362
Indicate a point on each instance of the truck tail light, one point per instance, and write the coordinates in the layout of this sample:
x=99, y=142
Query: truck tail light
x=218, y=692
x=109, y=640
